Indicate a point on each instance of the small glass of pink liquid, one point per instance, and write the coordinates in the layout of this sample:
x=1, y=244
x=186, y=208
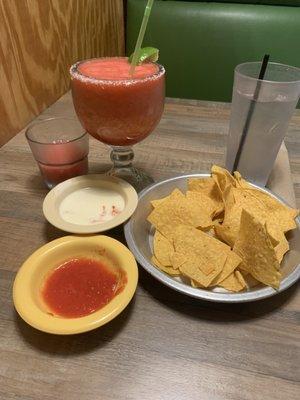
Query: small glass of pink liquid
x=119, y=109
x=60, y=146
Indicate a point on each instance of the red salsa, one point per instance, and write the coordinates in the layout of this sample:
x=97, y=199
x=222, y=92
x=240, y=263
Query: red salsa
x=81, y=286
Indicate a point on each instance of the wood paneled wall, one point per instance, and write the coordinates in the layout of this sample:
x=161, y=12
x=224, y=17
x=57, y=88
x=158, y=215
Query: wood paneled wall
x=39, y=40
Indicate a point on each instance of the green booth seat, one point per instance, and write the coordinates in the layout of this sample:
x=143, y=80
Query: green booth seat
x=200, y=43
x=293, y=3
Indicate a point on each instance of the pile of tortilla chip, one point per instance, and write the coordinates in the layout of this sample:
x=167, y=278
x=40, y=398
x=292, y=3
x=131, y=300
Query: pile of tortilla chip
x=222, y=232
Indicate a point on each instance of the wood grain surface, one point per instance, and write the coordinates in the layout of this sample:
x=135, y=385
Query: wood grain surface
x=39, y=40
x=165, y=345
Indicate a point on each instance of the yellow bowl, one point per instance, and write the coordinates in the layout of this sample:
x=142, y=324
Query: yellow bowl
x=27, y=284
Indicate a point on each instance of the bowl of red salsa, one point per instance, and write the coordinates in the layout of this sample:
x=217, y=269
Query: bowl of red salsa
x=75, y=284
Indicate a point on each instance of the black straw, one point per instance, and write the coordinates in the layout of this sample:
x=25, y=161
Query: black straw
x=262, y=71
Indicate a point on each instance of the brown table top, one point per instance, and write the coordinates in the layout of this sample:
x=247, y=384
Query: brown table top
x=164, y=345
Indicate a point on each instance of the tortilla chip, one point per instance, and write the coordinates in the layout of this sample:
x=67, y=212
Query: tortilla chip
x=187, y=237
x=211, y=232
x=193, y=268
x=282, y=248
x=234, y=282
x=277, y=217
x=273, y=204
x=169, y=270
x=196, y=284
x=163, y=249
x=226, y=234
x=222, y=178
x=239, y=276
x=178, y=259
x=240, y=182
x=207, y=187
x=177, y=210
x=205, y=255
x=274, y=241
x=198, y=198
x=254, y=247
x=229, y=198
x=280, y=244
x=228, y=231
x=156, y=203
x=248, y=278
x=176, y=193
x=232, y=262
x=218, y=220
x=188, y=258
x=203, y=185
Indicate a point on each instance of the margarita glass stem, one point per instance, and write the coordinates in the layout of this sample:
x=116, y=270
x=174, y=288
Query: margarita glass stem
x=121, y=156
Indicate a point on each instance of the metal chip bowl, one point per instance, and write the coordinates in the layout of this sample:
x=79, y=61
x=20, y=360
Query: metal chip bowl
x=139, y=237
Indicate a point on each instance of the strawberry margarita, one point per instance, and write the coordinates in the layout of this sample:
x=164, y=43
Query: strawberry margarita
x=115, y=107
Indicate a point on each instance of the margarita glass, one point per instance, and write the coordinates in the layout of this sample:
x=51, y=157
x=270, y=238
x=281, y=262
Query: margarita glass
x=119, y=109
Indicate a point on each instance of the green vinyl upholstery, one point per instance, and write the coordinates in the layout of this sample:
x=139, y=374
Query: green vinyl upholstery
x=268, y=2
x=200, y=43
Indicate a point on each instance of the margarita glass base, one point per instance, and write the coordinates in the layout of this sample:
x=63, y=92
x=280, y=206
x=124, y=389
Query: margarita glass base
x=122, y=158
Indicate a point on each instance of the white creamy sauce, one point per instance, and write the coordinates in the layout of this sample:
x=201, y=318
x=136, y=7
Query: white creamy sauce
x=91, y=205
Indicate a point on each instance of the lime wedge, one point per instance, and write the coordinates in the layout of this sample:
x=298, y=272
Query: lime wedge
x=146, y=54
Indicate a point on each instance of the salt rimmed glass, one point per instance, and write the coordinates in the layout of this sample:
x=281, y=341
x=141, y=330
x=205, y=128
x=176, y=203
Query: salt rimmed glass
x=120, y=113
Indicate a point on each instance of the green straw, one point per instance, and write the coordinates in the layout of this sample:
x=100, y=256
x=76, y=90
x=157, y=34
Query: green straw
x=141, y=36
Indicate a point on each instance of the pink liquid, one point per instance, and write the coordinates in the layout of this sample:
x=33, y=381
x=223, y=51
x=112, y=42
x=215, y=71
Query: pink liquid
x=54, y=174
x=113, y=106
x=61, y=162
